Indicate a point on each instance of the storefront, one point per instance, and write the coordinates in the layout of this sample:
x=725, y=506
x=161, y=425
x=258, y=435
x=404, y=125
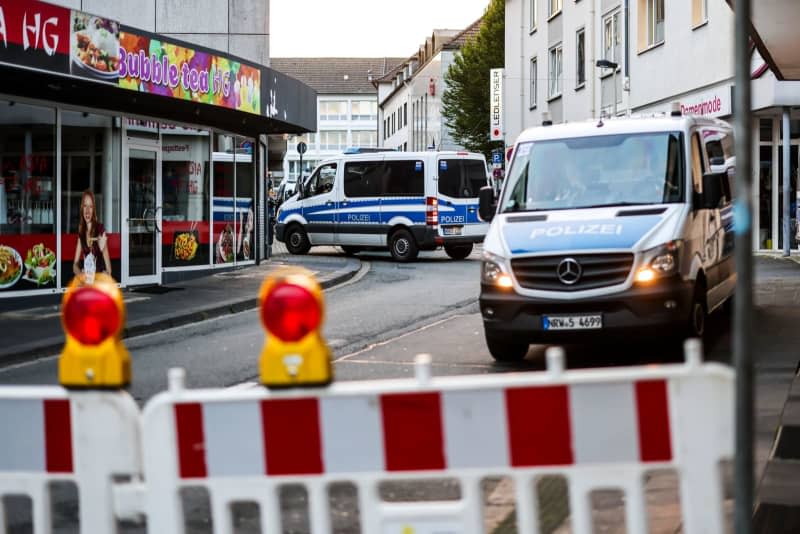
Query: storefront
x=169, y=138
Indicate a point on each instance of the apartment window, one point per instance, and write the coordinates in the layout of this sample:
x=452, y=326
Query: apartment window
x=699, y=12
x=534, y=74
x=363, y=110
x=333, y=110
x=555, y=7
x=612, y=40
x=580, y=58
x=534, y=19
x=556, y=63
x=655, y=22
x=332, y=140
x=364, y=138
x=405, y=113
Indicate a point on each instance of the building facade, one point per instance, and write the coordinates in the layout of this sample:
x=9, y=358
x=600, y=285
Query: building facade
x=168, y=136
x=663, y=52
x=347, y=107
x=410, y=97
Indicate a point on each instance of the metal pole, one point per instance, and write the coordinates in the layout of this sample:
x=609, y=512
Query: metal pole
x=742, y=327
x=787, y=184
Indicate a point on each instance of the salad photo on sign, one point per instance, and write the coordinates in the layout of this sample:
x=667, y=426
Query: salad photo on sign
x=94, y=47
x=10, y=266
x=40, y=265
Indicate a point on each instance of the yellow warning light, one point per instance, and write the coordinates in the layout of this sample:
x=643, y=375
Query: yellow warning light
x=292, y=309
x=93, y=315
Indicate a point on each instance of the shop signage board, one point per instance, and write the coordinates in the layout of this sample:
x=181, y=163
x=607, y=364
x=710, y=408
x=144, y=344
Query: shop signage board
x=496, y=105
x=52, y=38
x=151, y=65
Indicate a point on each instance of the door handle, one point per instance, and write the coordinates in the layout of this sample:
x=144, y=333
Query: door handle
x=471, y=210
x=329, y=203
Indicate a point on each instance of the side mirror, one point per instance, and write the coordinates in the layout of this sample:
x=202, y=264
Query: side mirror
x=712, y=190
x=487, y=203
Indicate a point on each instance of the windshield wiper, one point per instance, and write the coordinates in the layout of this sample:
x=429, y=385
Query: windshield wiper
x=614, y=204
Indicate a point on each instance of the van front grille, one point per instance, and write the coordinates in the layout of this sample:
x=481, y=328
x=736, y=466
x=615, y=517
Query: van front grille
x=593, y=271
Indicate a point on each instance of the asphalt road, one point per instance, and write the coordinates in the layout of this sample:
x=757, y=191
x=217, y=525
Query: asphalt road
x=390, y=312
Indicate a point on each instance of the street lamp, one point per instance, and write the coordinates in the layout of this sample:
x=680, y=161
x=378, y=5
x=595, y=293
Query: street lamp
x=608, y=64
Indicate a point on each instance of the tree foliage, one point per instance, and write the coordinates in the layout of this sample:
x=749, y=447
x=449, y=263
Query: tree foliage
x=465, y=101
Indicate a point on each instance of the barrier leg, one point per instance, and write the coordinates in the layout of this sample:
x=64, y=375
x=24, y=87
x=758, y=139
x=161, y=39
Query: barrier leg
x=369, y=506
x=222, y=518
x=635, y=504
x=527, y=505
x=473, y=503
x=270, y=511
x=318, y=507
x=579, y=505
x=40, y=508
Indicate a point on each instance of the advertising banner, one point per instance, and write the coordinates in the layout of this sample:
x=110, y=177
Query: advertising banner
x=153, y=66
x=496, y=105
x=34, y=34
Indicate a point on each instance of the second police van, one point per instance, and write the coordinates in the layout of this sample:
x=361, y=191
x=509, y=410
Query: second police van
x=609, y=227
x=403, y=201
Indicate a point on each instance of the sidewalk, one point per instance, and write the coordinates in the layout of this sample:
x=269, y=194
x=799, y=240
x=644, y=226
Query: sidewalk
x=35, y=332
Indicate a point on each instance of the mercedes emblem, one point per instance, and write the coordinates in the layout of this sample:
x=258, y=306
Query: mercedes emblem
x=569, y=271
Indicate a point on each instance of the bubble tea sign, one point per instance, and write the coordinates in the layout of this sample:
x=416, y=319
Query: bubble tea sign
x=150, y=65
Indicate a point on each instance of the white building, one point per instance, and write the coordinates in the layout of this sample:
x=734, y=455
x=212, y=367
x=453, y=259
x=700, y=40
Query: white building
x=347, y=107
x=665, y=51
x=410, y=96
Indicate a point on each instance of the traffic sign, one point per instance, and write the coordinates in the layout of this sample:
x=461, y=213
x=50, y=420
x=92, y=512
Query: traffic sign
x=301, y=147
x=497, y=157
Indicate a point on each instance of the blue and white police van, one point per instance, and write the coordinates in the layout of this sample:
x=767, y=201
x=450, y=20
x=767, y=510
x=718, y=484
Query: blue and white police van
x=616, y=226
x=403, y=201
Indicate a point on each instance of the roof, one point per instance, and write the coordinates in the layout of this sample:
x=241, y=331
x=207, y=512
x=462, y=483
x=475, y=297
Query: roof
x=337, y=75
x=466, y=34
x=622, y=125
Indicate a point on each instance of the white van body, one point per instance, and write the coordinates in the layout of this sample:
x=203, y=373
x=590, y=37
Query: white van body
x=615, y=226
x=403, y=201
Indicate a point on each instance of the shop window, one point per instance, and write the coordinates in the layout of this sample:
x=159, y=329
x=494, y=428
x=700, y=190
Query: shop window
x=185, y=197
x=27, y=197
x=765, y=238
x=233, y=200
x=90, y=161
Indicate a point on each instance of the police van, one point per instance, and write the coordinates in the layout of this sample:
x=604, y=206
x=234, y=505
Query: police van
x=403, y=201
x=609, y=227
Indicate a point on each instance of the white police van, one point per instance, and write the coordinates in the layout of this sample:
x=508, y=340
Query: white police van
x=617, y=226
x=406, y=201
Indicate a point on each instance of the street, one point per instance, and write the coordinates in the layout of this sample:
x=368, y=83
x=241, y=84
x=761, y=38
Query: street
x=378, y=321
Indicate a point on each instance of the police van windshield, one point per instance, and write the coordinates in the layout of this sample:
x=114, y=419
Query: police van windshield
x=596, y=171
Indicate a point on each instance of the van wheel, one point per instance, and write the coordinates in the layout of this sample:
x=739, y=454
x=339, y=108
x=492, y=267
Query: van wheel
x=698, y=315
x=402, y=246
x=350, y=250
x=503, y=350
x=297, y=240
x=458, y=252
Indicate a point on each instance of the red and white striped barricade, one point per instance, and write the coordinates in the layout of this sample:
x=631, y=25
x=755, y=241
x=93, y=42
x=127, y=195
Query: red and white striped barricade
x=600, y=428
x=52, y=434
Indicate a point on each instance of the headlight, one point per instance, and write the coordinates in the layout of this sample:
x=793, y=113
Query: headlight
x=660, y=261
x=492, y=271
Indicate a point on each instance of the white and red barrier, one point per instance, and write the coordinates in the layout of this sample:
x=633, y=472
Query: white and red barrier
x=600, y=428
x=52, y=434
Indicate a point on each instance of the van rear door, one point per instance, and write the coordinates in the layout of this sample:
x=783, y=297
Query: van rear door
x=460, y=181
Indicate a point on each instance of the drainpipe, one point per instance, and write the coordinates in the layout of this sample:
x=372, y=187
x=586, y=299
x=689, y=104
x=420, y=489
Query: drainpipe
x=591, y=54
x=626, y=79
x=787, y=183
x=522, y=68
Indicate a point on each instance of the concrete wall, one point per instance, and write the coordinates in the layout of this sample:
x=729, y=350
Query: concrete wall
x=236, y=27
x=690, y=59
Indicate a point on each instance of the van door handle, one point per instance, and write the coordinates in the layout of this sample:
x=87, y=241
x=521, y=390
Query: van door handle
x=471, y=210
x=329, y=203
x=344, y=203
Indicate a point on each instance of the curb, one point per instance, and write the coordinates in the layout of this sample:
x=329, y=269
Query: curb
x=53, y=345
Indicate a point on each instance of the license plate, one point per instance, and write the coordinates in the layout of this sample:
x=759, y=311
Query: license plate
x=453, y=230
x=572, y=322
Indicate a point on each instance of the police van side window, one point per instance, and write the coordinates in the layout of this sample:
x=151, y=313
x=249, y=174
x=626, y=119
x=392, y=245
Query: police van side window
x=698, y=166
x=322, y=181
x=363, y=179
x=461, y=178
x=404, y=179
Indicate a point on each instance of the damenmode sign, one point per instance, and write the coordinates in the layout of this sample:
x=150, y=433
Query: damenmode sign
x=496, y=104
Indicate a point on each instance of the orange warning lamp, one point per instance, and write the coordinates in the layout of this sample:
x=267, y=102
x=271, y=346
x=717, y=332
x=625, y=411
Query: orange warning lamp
x=93, y=315
x=295, y=353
